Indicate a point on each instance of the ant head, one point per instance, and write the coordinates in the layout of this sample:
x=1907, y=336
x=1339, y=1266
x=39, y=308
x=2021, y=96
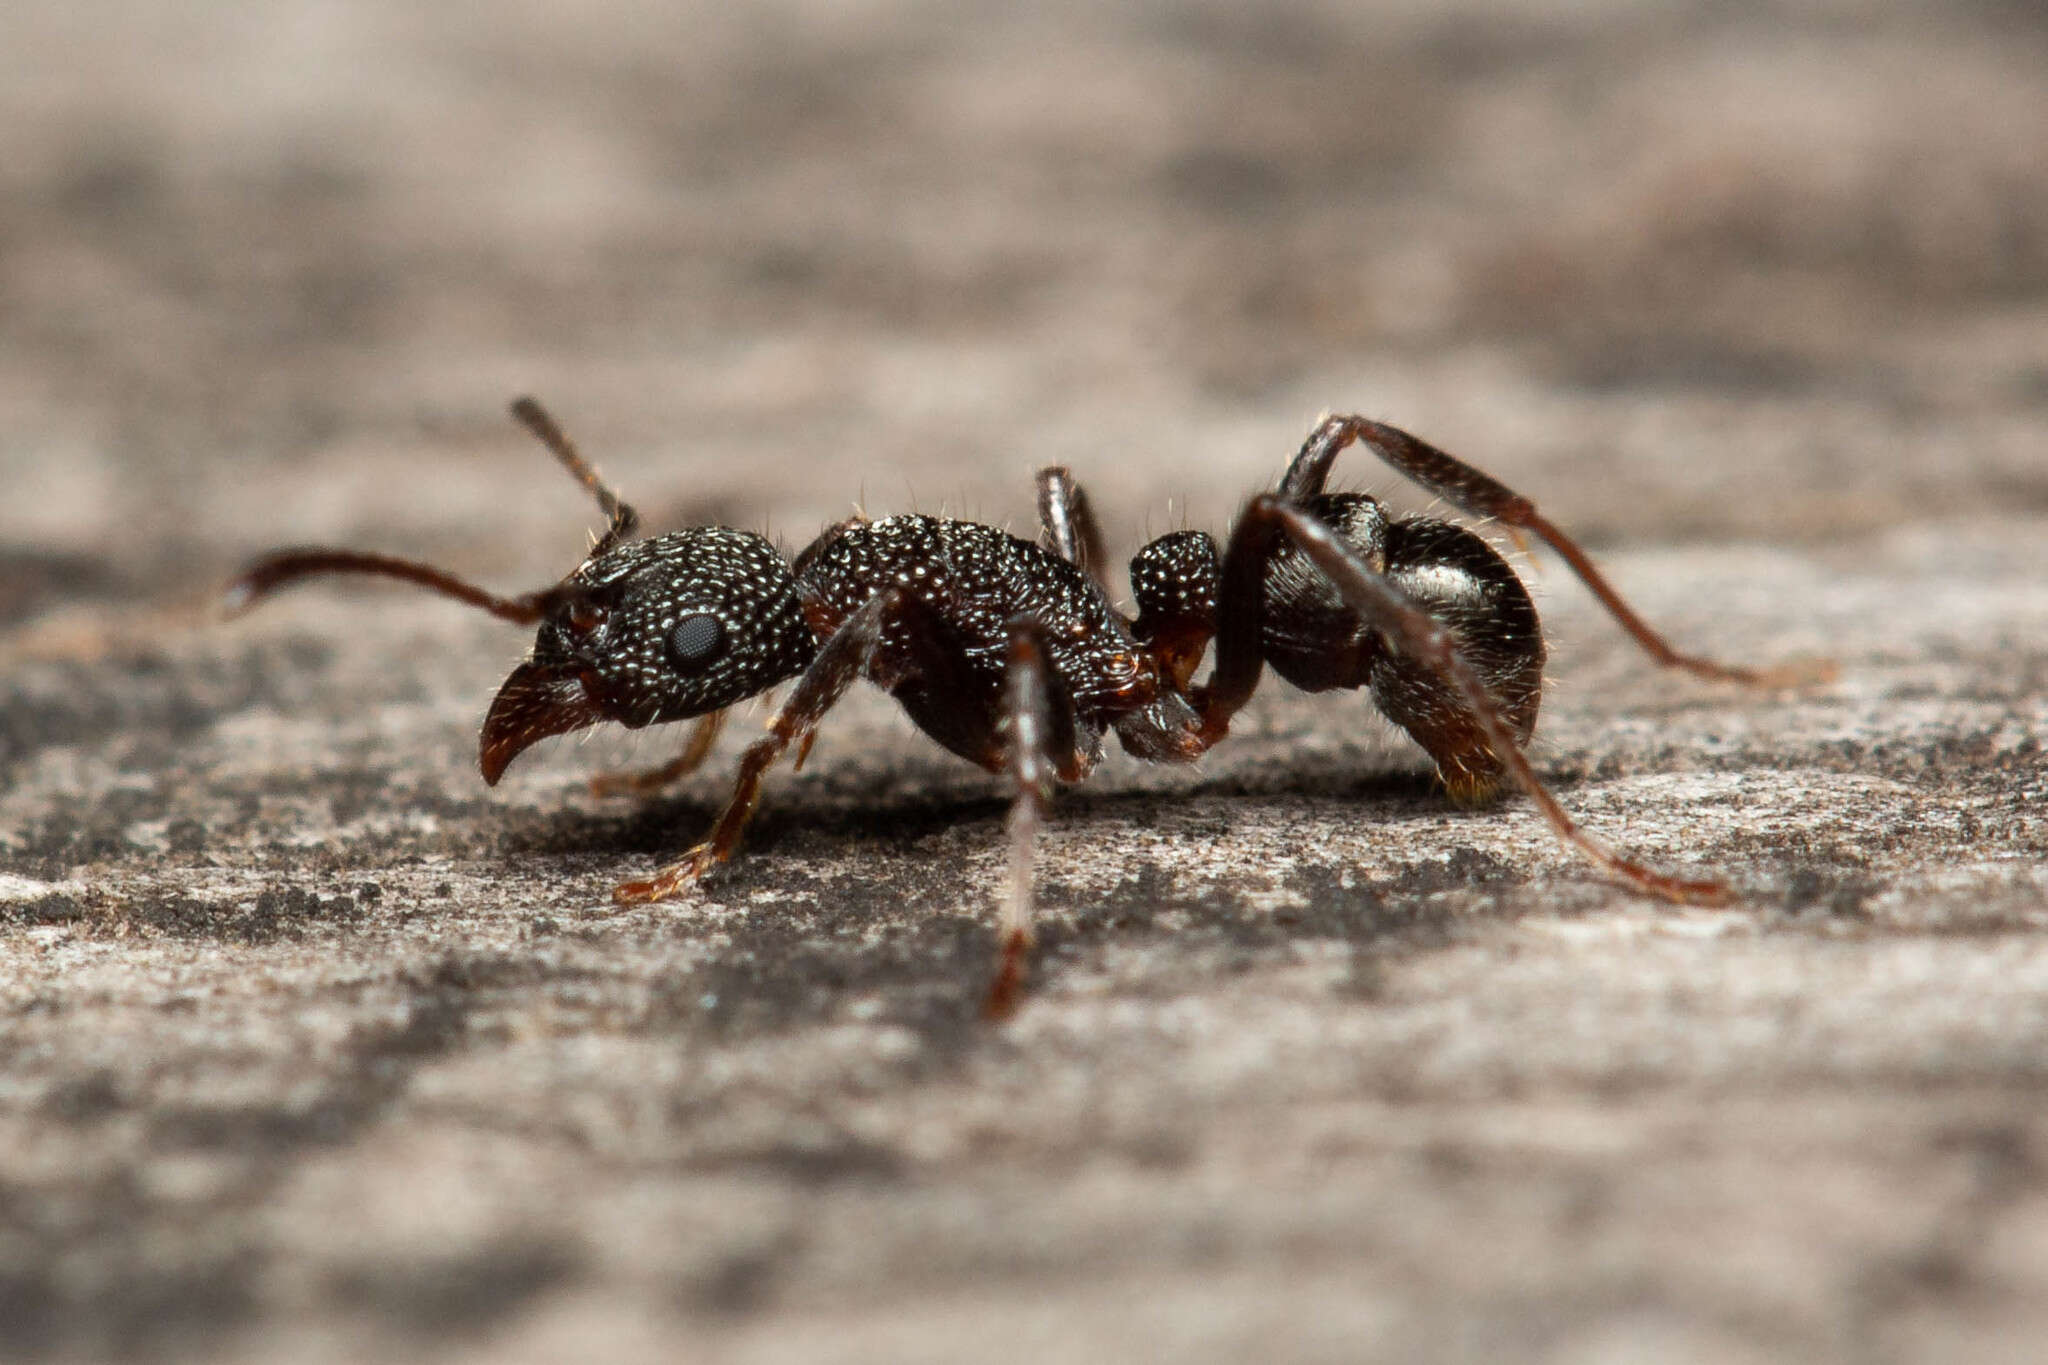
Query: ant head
x=652, y=631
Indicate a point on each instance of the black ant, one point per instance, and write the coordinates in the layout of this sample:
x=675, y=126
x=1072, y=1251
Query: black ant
x=1013, y=656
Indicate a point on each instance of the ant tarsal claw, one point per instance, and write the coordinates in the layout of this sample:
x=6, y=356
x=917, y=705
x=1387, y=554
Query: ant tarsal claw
x=671, y=881
x=1006, y=989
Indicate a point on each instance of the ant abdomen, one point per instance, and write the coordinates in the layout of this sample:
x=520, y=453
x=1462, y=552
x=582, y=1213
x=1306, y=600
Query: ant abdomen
x=1465, y=584
x=1316, y=640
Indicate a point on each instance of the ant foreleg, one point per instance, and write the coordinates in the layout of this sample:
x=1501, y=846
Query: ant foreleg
x=1069, y=522
x=1412, y=632
x=842, y=658
x=703, y=735
x=1038, y=727
x=1481, y=495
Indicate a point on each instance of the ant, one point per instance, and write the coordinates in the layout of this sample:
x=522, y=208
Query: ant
x=1013, y=655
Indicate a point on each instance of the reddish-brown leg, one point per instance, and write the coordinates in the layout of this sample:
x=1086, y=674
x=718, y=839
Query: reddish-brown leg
x=1480, y=495
x=1410, y=631
x=1038, y=723
x=703, y=735
x=842, y=658
x=1069, y=522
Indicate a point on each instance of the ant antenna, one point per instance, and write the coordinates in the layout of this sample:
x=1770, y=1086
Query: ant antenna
x=266, y=575
x=624, y=520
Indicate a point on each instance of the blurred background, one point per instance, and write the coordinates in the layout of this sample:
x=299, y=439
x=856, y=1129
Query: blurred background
x=272, y=271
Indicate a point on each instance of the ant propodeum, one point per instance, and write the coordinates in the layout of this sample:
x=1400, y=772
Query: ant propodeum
x=1014, y=656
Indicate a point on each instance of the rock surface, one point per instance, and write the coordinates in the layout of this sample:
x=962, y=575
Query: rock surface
x=316, y=1049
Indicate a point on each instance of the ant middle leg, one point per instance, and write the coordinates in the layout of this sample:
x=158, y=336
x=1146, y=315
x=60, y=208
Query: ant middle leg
x=1481, y=495
x=1069, y=523
x=1411, y=632
x=1039, y=745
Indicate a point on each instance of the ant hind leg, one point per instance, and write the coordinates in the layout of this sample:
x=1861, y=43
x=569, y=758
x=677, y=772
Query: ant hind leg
x=1479, y=494
x=1413, y=633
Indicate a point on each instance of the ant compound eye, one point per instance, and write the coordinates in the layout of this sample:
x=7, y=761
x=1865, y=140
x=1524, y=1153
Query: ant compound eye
x=696, y=638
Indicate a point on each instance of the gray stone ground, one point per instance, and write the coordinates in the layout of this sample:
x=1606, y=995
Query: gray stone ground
x=315, y=1049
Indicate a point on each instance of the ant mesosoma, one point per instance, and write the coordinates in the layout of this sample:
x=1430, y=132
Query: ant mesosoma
x=1013, y=655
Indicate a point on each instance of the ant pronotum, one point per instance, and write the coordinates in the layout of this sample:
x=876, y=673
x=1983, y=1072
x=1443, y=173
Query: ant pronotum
x=1013, y=655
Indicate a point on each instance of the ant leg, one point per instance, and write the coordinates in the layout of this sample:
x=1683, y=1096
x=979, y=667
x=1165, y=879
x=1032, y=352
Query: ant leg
x=1038, y=724
x=702, y=736
x=1239, y=624
x=841, y=659
x=266, y=575
x=1412, y=632
x=1480, y=495
x=1069, y=522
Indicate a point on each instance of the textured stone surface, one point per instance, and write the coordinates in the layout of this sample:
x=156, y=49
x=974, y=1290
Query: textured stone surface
x=314, y=1048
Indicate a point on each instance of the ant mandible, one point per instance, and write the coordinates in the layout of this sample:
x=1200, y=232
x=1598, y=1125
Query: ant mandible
x=1013, y=655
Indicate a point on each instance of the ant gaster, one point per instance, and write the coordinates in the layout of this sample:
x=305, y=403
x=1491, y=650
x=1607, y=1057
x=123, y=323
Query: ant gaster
x=1013, y=655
